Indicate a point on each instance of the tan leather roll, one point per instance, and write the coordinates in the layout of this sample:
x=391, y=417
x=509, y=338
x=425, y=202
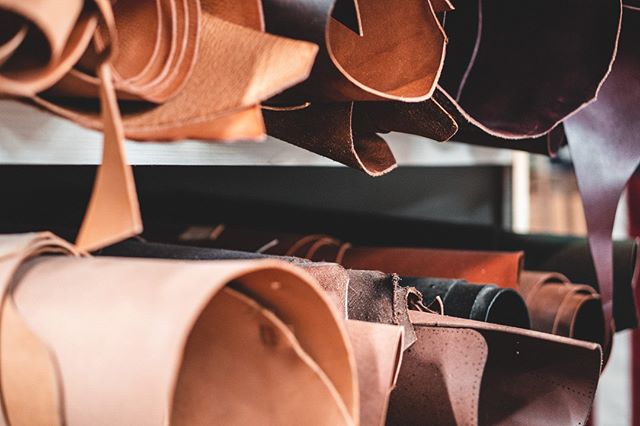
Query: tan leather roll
x=227, y=65
x=40, y=42
x=153, y=335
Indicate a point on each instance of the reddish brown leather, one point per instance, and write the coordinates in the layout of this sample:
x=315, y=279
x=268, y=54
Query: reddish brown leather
x=501, y=268
x=467, y=372
x=559, y=307
x=605, y=152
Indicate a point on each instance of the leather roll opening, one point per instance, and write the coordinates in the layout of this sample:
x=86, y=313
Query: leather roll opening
x=508, y=308
x=589, y=322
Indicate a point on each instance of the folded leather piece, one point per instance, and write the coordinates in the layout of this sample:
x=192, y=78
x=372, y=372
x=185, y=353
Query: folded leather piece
x=547, y=144
x=474, y=373
x=327, y=129
x=378, y=352
x=177, y=331
x=606, y=153
x=398, y=55
x=559, y=307
x=40, y=42
x=479, y=302
x=516, y=71
x=427, y=118
x=361, y=295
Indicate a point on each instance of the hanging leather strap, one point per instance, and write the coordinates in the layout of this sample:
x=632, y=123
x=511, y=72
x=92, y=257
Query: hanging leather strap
x=603, y=138
x=113, y=213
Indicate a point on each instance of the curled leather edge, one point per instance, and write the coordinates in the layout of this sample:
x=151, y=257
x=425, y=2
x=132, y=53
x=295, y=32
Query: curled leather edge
x=326, y=129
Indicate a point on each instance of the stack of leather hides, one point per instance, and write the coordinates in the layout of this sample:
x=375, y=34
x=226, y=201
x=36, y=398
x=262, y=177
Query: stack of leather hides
x=238, y=326
x=331, y=76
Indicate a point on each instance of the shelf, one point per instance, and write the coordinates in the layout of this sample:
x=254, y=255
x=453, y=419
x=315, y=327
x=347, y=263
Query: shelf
x=31, y=136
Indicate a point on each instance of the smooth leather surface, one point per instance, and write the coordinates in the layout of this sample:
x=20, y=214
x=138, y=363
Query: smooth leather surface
x=350, y=66
x=140, y=372
x=517, y=70
x=605, y=152
x=362, y=295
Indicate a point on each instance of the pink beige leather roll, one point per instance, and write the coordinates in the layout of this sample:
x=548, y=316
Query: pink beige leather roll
x=378, y=352
x=475, y=373
x=129, y=341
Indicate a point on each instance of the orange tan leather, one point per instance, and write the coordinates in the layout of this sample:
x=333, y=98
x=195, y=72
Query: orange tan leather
x=154, y=334
x=352, y=66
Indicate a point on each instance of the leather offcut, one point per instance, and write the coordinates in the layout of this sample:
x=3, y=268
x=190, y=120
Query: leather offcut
x=468, y=372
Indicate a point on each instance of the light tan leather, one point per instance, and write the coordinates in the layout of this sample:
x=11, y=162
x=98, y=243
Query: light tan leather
x=201, y=74
x=266, y=350
x=145, y=333
x=57, y=37
x=378, y=351
x=113, y=213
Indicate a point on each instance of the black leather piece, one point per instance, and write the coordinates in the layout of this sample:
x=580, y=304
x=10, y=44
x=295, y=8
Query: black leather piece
x=302, y=20
x=346, y=12
x=479, y=302
x=500, y=306
x=460, y=299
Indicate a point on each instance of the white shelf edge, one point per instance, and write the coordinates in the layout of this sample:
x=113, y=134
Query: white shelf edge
x=29, y=136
